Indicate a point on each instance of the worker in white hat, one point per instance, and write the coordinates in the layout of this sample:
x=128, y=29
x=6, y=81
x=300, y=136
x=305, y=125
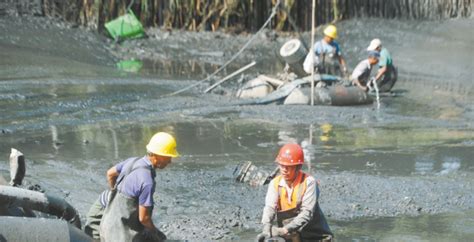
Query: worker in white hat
x=387, y=74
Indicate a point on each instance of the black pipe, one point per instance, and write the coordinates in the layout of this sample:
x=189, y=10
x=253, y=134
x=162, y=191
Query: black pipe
x=18, y=197
x=39, y=229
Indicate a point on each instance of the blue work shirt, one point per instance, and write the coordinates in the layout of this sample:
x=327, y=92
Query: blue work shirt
x=321, y=47
x=140, y=182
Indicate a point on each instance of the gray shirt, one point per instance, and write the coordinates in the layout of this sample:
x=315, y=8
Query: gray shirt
x=362, y=72
x=308, y=204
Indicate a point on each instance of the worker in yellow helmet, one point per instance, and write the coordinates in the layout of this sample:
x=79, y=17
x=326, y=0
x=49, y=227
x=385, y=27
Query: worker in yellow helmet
x=123, y=213
x=328, y=57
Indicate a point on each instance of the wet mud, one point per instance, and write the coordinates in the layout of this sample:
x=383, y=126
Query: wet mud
x=73, y=115
x=346, y=196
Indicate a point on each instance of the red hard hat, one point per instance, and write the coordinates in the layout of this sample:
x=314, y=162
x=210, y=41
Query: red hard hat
x=290, y=155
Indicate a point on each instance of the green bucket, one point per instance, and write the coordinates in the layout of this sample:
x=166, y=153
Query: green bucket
x=126, y=26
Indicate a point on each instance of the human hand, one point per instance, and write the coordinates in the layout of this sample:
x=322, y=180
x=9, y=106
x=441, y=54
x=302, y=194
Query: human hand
x=266, y=233
x=262, y=236
x=372, y=81
x=344, y=70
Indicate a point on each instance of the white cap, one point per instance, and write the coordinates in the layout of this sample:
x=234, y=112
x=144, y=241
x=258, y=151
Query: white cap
x=374, y=44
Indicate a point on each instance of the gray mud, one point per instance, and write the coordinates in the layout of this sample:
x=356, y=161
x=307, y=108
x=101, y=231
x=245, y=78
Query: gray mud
x=73, y=115
x=345, y=197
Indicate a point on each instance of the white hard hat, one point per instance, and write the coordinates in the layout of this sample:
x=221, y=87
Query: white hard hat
x=374, y=44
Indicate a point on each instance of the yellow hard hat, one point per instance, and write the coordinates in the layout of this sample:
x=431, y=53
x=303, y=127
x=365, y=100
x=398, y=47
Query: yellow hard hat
x=162, y=144
x=331, y=31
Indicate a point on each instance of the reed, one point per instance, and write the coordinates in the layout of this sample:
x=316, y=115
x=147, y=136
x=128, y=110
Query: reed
x=248, y=15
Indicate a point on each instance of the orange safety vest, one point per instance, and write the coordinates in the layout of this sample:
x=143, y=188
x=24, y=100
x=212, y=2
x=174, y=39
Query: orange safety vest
x=299, y=188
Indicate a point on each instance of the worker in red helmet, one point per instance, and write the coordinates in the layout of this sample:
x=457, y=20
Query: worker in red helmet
x=291, y=205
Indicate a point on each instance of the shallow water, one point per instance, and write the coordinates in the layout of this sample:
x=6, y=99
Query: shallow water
x=74, y=121
x=441, y=227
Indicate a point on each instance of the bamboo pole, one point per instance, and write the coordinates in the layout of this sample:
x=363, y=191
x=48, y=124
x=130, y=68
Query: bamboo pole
x=230, y=76
x=310, y=141
x=312, y=51
x=335, y=10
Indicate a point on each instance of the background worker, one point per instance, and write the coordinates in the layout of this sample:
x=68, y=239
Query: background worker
x=292, y=202
x=361, y=74
x=328, y=55
x=127, y=215
x=387, y=73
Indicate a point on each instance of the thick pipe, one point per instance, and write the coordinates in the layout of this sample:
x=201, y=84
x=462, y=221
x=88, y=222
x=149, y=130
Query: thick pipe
x=18, y=197
x=39, y=229
x=339, y=95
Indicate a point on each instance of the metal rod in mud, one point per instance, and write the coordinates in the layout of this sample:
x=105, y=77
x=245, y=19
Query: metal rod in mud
x=310, y=142
x=274, y=11
x=230, y=76
x=377, y=93
x=312, y=51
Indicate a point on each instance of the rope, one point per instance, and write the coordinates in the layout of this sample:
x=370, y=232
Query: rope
x=130, y=5
x=295, y=27
x=274, y=11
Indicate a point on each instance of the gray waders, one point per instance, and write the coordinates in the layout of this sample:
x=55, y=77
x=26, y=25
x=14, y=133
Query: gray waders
x=388, y=79
x=120, y=221
x=317, y=229
x=94, y=216
x=329, y=62
x=329, y=65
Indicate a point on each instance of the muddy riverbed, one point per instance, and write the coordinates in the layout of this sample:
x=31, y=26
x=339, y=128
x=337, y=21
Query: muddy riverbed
x=400, y=172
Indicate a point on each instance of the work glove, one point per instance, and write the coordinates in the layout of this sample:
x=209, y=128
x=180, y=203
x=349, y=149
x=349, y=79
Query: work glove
x=344, y=71
x=279, y=231
x=266, y=233
x=286, y=69
x=261, y=237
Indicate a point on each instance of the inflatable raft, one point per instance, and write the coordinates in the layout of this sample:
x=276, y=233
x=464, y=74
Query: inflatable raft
x=330, y=91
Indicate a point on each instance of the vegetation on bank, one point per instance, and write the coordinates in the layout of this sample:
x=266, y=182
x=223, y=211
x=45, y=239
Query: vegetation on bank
x=240, y=15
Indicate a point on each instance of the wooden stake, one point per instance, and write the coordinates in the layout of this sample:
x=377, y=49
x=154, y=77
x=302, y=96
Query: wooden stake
x=312, y=51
